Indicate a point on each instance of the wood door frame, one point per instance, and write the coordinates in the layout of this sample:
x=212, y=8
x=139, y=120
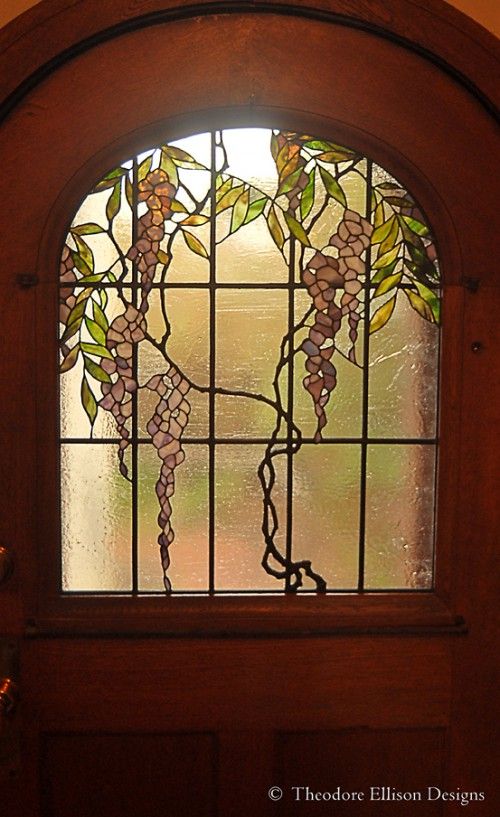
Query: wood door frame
x=410, y=612
x=55, y=35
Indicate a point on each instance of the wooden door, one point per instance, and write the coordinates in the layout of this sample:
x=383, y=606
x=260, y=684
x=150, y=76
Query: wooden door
x=213, y=706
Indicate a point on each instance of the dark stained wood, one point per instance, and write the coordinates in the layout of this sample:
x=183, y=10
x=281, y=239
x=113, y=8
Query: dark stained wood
x=418, y=699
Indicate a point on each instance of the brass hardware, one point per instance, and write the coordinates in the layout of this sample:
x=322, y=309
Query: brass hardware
x=9, y=695
x=476, y=346
x=6, y=564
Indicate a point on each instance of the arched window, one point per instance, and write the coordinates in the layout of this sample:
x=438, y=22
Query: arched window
x=249, y=372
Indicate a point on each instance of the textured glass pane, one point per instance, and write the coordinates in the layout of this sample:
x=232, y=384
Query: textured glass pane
x=96, y=519
x=239, y=545
x=250, y=326
x=400, y=516
x=74, y=421
x=326, y=483
x=403, y=376
x=343, y=410
x=189, y=551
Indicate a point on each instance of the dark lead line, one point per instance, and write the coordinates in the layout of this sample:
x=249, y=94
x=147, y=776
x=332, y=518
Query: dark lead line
x=134, y=398
x=211, y=397
x=289, y=432
x=366, y=385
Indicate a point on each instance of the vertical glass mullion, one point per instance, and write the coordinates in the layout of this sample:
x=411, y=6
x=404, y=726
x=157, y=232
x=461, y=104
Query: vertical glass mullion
x=212, y=352
x=366, y=385
x=289, y=425
x=135, y=377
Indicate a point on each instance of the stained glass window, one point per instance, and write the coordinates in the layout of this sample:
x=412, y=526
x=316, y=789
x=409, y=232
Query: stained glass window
x=249, y=335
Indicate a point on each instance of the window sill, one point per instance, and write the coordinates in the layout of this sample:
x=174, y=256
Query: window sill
x=396, y=613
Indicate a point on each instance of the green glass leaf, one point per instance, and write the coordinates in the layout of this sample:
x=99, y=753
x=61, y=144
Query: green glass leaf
x=332, y=187
x=382, y=315
x=144, y=168
x=275, y=228
x=92, y=279
x=88, y=401
x=177, y=206
x=77, y=312
x=333, y=156
x=110, y=179
x=381, y=232
x=114, y=201
x=416, y=226
x=307, y=197
x=70, y=359
x=390, y=240
x=96, y=371
x=289, y=181
x=297, y=230
x=194, y=244
x=274, y=146
x=229, y=198
x=387, y=258
x=71, y=330
x=103, y=297
x=194, y=220
x=240, y=211
x=84, y=252
x=96, y=349
x=379, y=215
x=95, y=331
x=223, y=189
x=419, y=305
x=384, y=272
x=398, y=201
x=163, y=258
x=80, y=264
x=254, y=210
x=167, y=165
x=181, y=158
x=283, y=158
x=99, y=316
x=431, y=298
x=389, y=282
x=87, y=229
x=128, y=192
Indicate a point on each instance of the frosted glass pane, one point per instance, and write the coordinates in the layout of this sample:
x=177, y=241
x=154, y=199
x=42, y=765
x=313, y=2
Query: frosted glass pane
x=187, y=345
x=74, y=421
x=250, y=326
x=95, y=519
x=326, y=484
x=403, y=376
x=250, y=255
x=400, y=516
x=189, y=551
x=239, y=540
x=344, y=409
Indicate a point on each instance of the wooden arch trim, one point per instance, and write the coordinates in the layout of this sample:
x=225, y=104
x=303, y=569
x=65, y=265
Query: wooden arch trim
x=56, y=31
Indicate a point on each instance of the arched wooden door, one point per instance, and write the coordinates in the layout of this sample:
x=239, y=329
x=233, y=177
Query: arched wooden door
x=203, y=707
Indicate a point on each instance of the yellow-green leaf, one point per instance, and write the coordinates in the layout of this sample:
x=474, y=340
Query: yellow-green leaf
x=307, y=197
x=332, y=187
x=163, y=258
x=431, y=298
x=223, y=189
x=144, y=168
x=387, y=258
x=87, y=229
x=254, y=210
x=194, y=220
x=88, y=401
x=70, y=359
x=229, y=198
x=114, y=201
x=382, y=315
x=84, y=252
x=95, y=349
x=177, y=206
x=390, y=240
x=99, y=316
x=96, y=371
x=194, y=244
x=297, y=230
x=275, y=228
x=416, y=226
x=381, y=232
x=240, y=210
x=167, y=165
x=95, y=331
x=388, y=283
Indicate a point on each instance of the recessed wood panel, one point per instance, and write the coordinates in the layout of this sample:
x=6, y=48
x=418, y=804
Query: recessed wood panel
x=379, y=772
x=117, y=775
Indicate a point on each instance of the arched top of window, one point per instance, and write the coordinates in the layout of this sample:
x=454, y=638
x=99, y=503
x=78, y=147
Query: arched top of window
x=249, y=361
